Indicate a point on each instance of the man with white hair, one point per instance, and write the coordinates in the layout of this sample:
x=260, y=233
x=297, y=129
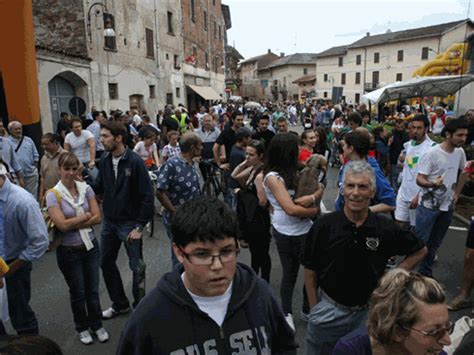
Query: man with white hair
x=28, y=156
x=338, y=295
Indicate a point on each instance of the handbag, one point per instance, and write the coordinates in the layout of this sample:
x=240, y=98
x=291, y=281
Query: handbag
x=54, y=236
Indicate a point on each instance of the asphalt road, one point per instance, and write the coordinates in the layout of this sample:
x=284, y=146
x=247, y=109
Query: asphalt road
x=50, y=298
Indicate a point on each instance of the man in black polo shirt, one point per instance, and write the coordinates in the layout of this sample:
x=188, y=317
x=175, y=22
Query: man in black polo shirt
x=262, y=132
x=344, y=258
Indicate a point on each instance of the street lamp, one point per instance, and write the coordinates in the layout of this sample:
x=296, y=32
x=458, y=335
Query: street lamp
x=108, y=31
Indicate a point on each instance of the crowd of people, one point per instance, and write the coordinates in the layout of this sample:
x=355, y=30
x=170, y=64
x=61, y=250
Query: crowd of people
x=399, y=179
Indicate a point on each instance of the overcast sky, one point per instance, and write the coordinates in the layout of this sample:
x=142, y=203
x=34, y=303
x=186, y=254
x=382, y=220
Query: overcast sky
x=313, y=26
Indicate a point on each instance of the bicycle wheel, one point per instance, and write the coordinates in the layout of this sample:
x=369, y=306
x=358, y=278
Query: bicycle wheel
x=209, y=188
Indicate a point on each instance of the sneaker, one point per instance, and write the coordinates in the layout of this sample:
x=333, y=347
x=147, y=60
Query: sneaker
x=102, y=335
x=304, y=316
x=85, y=337
x=112, y=313
x=289, y=320
x=458, y=302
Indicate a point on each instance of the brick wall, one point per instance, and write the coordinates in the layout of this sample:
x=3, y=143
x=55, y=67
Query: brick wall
x=194, y=33
x=60, y=26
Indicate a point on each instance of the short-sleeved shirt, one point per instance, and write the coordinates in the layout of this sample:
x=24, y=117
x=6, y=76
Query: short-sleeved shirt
x=145, y=152
x=350, y=260
x=169, y=151
x=208, y=139
x=49, y=169
x=304, y=155
x=79, y=145
x=27, y=155
x=237, y=156
x=437, y=162
x=227, y=138
x=170, y=124
x=72, y=237
x=265, y=137
x=180, y=180
x=94, y=128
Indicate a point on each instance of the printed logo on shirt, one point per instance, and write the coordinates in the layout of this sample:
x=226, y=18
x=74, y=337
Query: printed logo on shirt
x=372, y=243
x=241, y=343
x=412, y=161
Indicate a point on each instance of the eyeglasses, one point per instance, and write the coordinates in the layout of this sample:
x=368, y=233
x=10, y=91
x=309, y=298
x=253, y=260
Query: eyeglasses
x=204, y=258
x=437, y=334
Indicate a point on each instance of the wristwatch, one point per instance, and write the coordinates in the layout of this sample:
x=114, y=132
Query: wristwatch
x=139, y=229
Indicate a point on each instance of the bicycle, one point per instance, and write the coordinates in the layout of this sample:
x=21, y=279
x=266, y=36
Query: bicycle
x=214, y=183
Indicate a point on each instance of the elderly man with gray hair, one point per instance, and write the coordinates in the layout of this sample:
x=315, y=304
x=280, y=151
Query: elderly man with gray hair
x=27, y=155
x=344, y=258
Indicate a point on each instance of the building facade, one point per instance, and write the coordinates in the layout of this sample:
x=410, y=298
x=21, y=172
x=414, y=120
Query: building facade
x=250, y=84
x=346, y=73
x=203, y=31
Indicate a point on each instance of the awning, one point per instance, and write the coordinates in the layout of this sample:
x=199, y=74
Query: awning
x=206, y=92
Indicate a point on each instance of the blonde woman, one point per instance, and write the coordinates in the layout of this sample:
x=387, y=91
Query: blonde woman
x=408, y=315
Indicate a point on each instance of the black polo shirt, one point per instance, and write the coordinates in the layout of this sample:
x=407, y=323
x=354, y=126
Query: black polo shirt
x=265, y=137
x=349, y=261
x=227, y=138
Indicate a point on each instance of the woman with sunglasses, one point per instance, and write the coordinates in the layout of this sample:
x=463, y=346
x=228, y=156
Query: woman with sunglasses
x=408, y=315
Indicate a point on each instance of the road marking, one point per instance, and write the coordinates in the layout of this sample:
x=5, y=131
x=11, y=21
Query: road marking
x=461, y=229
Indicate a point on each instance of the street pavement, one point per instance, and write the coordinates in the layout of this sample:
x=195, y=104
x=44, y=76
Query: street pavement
x=50, y=298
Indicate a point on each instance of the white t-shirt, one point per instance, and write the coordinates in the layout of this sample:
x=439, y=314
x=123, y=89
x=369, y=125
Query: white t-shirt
x=438, y=125
x=145, y=152
x=408, y=189
x=79, y=146
x=115, y=162
x=215, y=307
x=137, y=120
x=281, y=221
x=437, y=162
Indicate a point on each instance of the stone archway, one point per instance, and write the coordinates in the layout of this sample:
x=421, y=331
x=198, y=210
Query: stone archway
x=62, y=88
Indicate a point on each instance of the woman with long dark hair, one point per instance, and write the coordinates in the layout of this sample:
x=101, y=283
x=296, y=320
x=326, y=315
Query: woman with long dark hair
x=252, y=211
x=321, y=145
x=291, y=220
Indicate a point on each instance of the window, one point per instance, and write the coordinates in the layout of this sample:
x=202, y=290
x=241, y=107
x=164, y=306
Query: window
x=325, y=94
x=152, y=89
x=176, y=62
x=178, y=93
x=325, y=78
x=207, y=61
x=357, y=81
x=214, y=2
x=193, y=11
x=357, y=98
x=358, y=59
x=376, y=57
x=169, y=98
x=424, y=52
x=150, y=48
x=399, y=77
x=305, y=71
x=205, y=20
x=343, y=79
x=215, y=29
x=170, y=23
x=340, y=61
x=375, y=79
x=220, y=33
x=113, y=91
x=400, y=56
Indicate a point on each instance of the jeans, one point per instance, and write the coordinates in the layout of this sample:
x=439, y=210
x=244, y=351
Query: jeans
x=431, y=227
x=80, y=269
x=19, y=293
x=327, y=324
x=167, y=224
x=112, y=236
x=290, y=250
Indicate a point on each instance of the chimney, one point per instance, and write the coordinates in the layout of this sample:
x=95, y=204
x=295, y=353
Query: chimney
x=269, y=51
x=282, y=54
x=367, y=34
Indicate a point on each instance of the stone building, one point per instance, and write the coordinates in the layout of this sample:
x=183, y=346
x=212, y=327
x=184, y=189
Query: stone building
x=250, y=84
x=347, y=72
x=203, y=32
x=281, y=73
x=152, y=49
